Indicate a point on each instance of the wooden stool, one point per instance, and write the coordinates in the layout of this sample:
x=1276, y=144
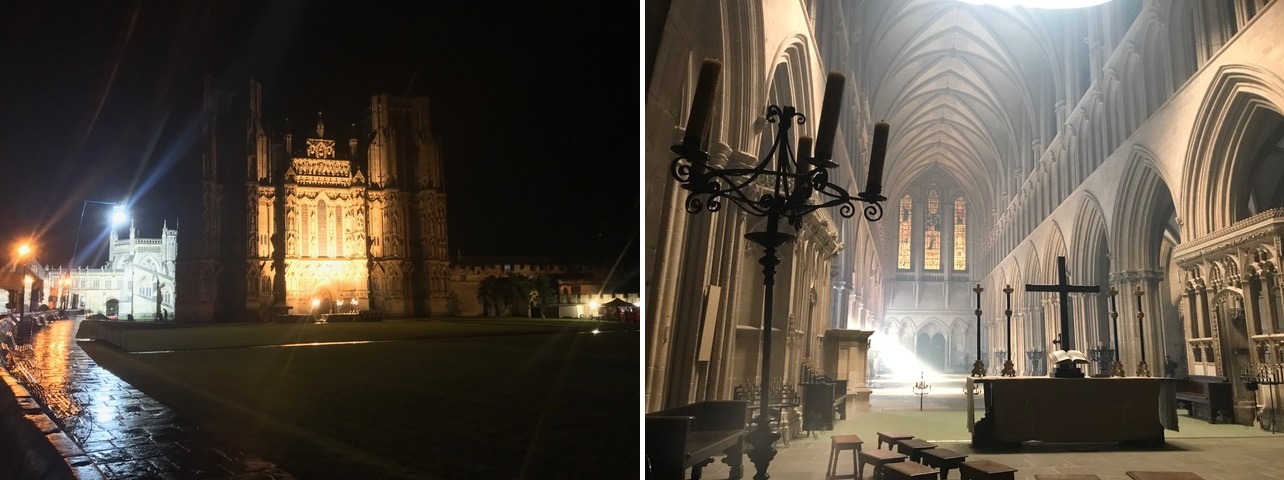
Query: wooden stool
x=1163, y=476
x=878, y=458
x=942, y=458
x=908, y=471
x=891, y=438
x=838, y=444
x=913, y=447
x=1066, y=476
x=985, y=470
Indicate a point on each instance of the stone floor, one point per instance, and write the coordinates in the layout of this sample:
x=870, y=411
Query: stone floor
x=1226, y=452
x=125, y=432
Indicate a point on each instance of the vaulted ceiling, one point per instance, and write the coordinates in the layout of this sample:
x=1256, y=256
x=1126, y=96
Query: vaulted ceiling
x=966, y=88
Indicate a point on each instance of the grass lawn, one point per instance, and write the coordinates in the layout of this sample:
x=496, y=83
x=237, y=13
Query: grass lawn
x=473, y=398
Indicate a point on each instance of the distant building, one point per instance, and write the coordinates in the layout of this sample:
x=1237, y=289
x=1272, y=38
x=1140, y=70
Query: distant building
x=138, y=278
x=582, y=287
x=298, y=227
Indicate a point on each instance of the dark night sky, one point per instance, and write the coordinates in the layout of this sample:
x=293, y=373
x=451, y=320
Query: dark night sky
x=535, y=104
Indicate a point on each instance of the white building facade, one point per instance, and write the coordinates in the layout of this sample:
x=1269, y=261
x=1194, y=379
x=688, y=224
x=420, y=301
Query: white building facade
x=137, y=280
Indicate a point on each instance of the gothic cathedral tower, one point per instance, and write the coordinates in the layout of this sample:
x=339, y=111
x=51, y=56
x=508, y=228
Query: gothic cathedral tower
x=315, y=234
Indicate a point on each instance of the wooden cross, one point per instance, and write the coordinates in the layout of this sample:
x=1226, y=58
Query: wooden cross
x=1063, y=289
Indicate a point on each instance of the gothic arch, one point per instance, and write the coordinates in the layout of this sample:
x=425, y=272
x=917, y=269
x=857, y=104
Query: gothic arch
x=1156, y=56
x=1089, y=238
x=1090, y=257
x=1054, y=246
x=1149, y=204
x=1239, y=96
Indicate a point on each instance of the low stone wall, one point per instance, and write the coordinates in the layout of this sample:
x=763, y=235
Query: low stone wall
x=31, y=444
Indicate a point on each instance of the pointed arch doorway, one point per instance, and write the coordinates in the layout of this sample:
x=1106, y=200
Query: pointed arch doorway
x=931, y=350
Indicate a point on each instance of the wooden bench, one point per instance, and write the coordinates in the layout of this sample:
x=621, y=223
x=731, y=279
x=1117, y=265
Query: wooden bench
x=691, y=435
x=986, y=470
x=1207, y=398
x=908, y=471
x=943, y=459
x=782, y=405
x=877, y=457
x=1136, y=475
x=891, y=438
x=913, y=448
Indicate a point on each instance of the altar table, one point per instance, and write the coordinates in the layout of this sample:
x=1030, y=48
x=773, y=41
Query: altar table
x=1073, y=410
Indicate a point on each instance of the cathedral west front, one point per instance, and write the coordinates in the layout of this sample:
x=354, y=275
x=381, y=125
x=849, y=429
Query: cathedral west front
x=315, y=224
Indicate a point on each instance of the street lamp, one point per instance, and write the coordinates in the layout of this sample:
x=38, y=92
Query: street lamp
x=118, y=216
x=27, y=329
x=23, y=251
x=781, y=186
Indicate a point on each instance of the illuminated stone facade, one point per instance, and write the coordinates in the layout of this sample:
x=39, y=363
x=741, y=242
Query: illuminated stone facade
x=137, y=280
x=339, y=233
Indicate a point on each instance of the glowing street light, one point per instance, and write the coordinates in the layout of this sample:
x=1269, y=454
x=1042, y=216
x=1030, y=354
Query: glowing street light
x=22, y=302
x=118, y=217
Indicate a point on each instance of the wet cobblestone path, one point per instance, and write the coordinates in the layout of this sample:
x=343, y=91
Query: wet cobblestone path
x=125, y=432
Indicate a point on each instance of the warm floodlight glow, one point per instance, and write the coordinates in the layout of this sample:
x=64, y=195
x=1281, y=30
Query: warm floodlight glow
x=354, y=302
x=27, y=280
x=340, y=302
x=1038, y=3
x=596, y=331
x=23, y=250
x=316, y=303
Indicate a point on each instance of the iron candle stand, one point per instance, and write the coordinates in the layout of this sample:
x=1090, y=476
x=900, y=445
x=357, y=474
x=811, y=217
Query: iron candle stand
x=978, y=368
x=1143, y=370
x=1009, y=370
x=781, y=186
x=1116, y=370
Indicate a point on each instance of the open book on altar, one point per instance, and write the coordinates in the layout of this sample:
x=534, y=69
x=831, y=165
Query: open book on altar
x=1073, y=356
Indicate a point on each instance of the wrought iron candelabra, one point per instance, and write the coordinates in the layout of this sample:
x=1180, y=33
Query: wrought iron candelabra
x=780, y=186
x=921, y=388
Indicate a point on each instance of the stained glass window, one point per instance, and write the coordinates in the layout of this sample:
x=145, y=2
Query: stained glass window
x=932, y=230
x=903, y=249
x=960, y=234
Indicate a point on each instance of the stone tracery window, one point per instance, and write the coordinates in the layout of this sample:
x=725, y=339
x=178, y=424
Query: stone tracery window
x=322, y=231
x=932, y=230
x=903, y=250
x=932, y=235
x=960, y=234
